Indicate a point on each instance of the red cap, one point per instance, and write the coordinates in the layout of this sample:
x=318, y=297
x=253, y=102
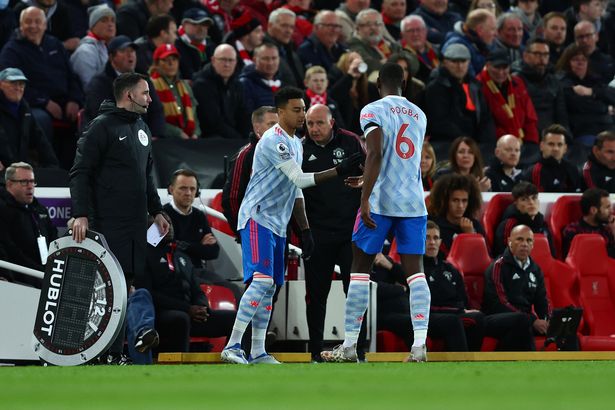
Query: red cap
x=165, y=50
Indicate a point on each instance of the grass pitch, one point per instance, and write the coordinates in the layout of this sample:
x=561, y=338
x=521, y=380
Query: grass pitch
x=477, y=385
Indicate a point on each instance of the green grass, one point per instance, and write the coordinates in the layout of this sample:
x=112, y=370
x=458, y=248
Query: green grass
x=493, y=386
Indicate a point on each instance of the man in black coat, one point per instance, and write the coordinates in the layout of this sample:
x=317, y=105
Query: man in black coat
x=221, y=109
x=193, y=42
x=279, y=32
x=599, y=170
x=502, y=171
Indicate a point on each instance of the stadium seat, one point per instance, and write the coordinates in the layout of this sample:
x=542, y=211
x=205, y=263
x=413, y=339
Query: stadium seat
x=393, y=254
x=220, y=225
x=597, y=277
x=566, y=209
x=220, y=298
x=493, y=215
x=387, y=341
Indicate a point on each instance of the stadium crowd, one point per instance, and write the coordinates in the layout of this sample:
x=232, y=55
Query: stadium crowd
x=519, y=97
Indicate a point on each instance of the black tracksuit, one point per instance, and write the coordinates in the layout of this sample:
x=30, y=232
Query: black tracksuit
x=596, y=175
x=551, y=176
x=448, y=231
x=511, y=218
x=575, y=228
x=500, y=182
x=331, y=210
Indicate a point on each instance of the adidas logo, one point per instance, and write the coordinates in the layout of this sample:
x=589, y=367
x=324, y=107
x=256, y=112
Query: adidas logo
x=312, y=157
x=516, y=276
x=163, y=260
x=607, y=178
x=556, y=181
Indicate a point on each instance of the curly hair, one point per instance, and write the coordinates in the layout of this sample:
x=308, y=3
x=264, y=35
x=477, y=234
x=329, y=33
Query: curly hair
x=445, y=186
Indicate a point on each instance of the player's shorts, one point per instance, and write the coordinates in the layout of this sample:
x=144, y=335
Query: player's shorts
x=262, y=251
x=409, y=232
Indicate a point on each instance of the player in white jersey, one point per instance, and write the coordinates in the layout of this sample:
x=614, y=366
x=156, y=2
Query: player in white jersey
x=272, y=195
x=391, y=200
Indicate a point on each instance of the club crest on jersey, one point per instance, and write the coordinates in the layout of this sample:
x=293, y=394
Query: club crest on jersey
x=143, y=138
x=283, y=151
x=338, y=155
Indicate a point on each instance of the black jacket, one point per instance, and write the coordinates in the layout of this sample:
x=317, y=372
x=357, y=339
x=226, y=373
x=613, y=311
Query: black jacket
x=511, y=218
x=221, y=110
x=59, y=25
x=551, y=176
x=132, y=18
x=291, y=71
x=190, y=60
x=509, y=288
x=596, y=175
x=21, y=138
x=111, y=182
x=145, y=55
x=500, y=182
x=340, y=92
x=255, y=92
x=448, y=231
x=448, y=290
x=331, y=207
x=312, y=52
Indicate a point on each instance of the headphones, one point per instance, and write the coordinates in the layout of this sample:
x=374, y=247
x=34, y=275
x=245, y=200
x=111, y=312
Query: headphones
x=186, y=172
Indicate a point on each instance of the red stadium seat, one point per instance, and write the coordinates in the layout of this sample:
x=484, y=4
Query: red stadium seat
x=566, y=209
x=597, y=277
x=393, y=254
x=220, y=298
x=493, y=215
x=220, y=225
x=387, y=341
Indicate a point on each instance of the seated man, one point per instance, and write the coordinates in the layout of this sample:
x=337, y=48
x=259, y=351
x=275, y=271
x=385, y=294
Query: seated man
x=553, y=173
x=438, y=18
x=597, y=218
x=509, y=36
x=599, y=170
x=515, y=297
x=503, y=171
x=523, y=211
x=454, y=204
x=260, y=80
x=25, y=222
x=193, y=43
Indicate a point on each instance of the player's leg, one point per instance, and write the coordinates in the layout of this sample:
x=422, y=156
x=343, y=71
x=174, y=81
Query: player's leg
x=410, y=234
x=257, y=244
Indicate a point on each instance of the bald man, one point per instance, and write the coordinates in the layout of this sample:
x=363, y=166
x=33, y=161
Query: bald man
x=515, y=296
x=331, y=209
x=503, y=171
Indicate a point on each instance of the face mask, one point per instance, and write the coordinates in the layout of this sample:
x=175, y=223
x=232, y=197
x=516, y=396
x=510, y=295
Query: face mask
x=3, y=4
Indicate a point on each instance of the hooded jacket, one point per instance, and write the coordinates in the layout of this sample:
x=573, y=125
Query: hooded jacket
x=513, y=217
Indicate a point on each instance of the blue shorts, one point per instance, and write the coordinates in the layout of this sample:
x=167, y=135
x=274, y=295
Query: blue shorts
x=262, y=251
x=409, y=232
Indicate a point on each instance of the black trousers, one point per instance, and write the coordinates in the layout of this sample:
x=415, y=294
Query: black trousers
x=328, y=252
x=513, y=329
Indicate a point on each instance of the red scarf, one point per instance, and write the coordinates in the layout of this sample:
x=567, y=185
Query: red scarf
x=94, y=36
x=316, y=98
x=181, y=32
x=178, y=114
x=243, y=53
x=384, y=48
x=273, y=84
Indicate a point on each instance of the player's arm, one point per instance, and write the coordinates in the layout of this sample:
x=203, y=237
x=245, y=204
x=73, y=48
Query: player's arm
x=302, y=179
x=373, y=161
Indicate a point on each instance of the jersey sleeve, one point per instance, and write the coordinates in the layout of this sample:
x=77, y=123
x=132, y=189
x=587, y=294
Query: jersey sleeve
x=276, y=150
x=369, y=117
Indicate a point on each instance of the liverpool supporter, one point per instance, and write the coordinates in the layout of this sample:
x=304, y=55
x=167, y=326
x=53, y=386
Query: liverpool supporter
x=246, y=34
x=260, y=80
x=316, y=84
x=322, y=47
x=160, y=29
x=438, y=18
x=509, y=36
x=280, y=29
x=414, y=40
x=555, y=34
x=193, y=42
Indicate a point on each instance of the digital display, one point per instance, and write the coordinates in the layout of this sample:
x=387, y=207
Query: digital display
x=75, y=299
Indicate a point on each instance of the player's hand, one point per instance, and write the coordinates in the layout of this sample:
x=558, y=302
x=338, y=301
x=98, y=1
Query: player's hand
x=354, y=182
x=466, y=225
x=209, y=239
x=163, y=224
x=366, y=217
x=307, y=241
x=350, y=165
x=541, y=326
x=80, y=227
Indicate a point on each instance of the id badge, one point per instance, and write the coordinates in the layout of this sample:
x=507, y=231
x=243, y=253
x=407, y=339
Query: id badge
x=43, y=250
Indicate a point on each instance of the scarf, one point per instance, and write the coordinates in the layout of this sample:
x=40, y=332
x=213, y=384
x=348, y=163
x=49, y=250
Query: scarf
x=181, y=32
x=507, y=105
x=316, y=98
x=243, y=53
x=429, y=58
x=172, y=108
x=384, y=48
x=94, y=36
x=273, y=84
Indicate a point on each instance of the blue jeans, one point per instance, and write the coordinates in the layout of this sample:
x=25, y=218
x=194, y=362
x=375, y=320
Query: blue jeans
x=140, y=316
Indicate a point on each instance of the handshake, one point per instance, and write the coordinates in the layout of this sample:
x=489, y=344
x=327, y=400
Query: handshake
x=352, y=165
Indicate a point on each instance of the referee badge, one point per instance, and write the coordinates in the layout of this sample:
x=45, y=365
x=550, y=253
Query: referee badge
x=143, y=138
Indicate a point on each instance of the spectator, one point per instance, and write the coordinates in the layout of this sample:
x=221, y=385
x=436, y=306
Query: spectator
x=303, y=23
x=587, y=97
x=451, y=317
x=586, y=39
x=260, y=80
x=91, y=55
x=25, y=222
x=347, y=13
x=176, y=95
x=477, y=34
x=584, y=10
x=509, y=35
x=221, y=109
x=322, y=47
x=240, y=166
x=57, y=15
x=597, y=218
x=527, y=11
x=8, y=22
x=438, y=18
x=414, y=40
x=21, y=139
x=353, y=90
x=279, y=32
x=599, y=170
x=523, y=211
x=555, y=35
x=454, y=203
x=393, y=11
x=490, y=5
x=369, y=40
x=54, y=91
x=193, y=43
x=160, y=29
x=133, y=16
x=428, y=165
x=515, y=297
x=414, y=88
x=222, y=12
x=542, y=85
x=465, y=159
x=122, y=59
x=454, y=102
x=246, y=34
x=316, y=84
x=553, y=173
x=503, y=172
x=508, y=100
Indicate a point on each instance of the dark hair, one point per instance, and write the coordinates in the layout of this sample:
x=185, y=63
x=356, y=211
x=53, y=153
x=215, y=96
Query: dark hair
x=477, y=167
x=444, y=187
x=184, y=172
x=576, y=4
x=156, y=24
x=563, y=64
x=554, y=129
x=284, y=94
x=126, y=81
x=524, y=189
x=432, y=225
x=592, y=197
x=259, y=114
x=391, y=75
x=535, y=40
x=602, y=137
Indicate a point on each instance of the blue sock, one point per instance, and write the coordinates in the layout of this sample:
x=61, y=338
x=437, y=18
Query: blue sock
x=420, y=302
x=260, y=323
x=248, y=305
x=356, y=305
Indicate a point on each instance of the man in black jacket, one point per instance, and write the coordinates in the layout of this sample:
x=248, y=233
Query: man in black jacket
x=221, y=110
x=193, y=42
x=599, y=170
x=515, y=297
x=279, y=32
x=502, y=170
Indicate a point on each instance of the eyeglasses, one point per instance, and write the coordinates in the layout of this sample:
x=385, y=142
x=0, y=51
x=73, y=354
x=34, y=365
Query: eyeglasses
x=226, y=60
x=331, y=26
x=24, y=182
x=585, y=36
x=539, y=54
